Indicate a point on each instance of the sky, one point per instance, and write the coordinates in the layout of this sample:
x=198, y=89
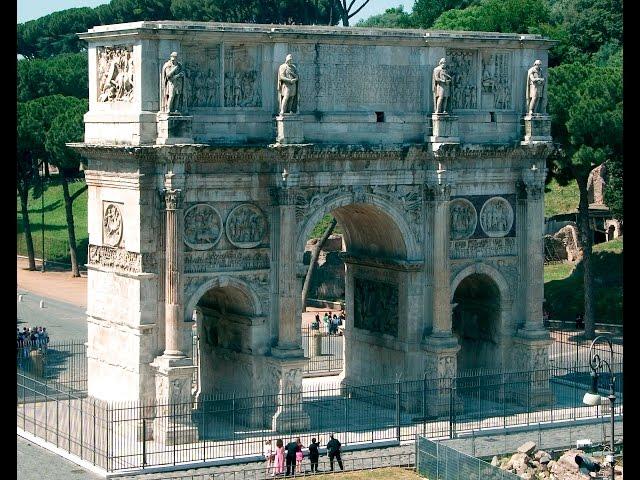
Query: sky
x=32, y=9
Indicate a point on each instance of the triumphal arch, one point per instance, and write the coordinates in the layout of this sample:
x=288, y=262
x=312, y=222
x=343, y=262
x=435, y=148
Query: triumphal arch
x=214, y=149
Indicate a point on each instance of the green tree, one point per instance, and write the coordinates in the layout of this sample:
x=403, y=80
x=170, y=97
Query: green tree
x=65, y=74
x=346, y=9
x=507, y=16
x=425, y=12
x=391, y=18
x=585, y=102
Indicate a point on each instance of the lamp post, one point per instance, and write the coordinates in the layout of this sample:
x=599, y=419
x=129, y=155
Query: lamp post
x=41, y=175
x=593, y=398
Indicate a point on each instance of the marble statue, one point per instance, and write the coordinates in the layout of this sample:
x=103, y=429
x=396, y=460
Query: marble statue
x=441, y=85
x=288, y=86
x=535, y=89
x=172, y=84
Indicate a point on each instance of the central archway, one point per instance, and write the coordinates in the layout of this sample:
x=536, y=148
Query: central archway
x=378, y=243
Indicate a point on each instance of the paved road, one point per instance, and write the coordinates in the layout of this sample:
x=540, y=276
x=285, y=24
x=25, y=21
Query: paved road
x=36, y=463
x=63, y=321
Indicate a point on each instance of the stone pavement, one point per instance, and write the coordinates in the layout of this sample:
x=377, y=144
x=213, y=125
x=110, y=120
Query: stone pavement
x=53, y=283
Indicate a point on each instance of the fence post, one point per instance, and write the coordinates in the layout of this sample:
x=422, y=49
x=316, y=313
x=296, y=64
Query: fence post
x=233, y=425
x=529, y=398
x=57, y=421
x=94, y=431
x=108, y=417
x=398, y=410
x=424, y=404
x=69, y=414
x=346, y=416
x=144, y=441
x=451, y=409
x=81, y=427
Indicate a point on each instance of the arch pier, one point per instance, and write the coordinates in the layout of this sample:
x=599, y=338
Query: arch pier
x=198, y=220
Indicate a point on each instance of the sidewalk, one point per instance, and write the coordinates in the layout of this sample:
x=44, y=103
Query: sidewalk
x=53, y=283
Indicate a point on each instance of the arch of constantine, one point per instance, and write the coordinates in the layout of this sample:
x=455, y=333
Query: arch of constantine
x=214, y=149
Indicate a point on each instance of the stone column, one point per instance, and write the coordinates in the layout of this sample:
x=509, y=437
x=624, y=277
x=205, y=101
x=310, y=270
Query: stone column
x=530, y=351
x=441, y=347
x=173, y=269
x=174, y=370
x=289, y=329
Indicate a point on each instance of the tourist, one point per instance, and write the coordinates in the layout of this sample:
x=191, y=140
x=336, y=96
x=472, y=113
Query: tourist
x=299, y=456
x=279, y=460
x=325, y=321
x=291, y=457
x=269, y=456
x=333, y=449
x=314, y=455
x=579, y=321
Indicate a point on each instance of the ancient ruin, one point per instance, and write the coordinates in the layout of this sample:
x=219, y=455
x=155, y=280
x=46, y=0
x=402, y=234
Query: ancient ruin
x=216, y=149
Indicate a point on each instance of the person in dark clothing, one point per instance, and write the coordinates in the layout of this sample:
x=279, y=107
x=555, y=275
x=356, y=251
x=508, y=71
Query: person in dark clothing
x=314, y=455
x=291, y=456
x=333, y=449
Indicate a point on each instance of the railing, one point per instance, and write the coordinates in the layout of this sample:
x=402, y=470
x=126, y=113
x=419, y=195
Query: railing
x=324, y=351
x=436, y=461
x=62, y=362
x=570, y=348
x=133, y=435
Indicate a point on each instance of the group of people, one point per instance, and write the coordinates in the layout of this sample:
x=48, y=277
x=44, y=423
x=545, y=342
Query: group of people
x=33, y=338
x=331, y=323
x=291, y=455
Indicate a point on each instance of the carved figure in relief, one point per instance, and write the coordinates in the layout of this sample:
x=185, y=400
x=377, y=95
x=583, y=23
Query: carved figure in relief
x=112, y=225
x=496, y=217
x=288, y=86
x=441, y=86
x=172, y=84
x=535, y=89
x=115, y=75
x=202, y=227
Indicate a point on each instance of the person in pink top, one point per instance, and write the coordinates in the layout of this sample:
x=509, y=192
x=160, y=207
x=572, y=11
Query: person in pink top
x=299, y=456
x=279, y=463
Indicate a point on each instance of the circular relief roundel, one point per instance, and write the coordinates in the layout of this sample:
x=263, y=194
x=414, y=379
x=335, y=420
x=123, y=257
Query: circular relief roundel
x=496, y=217
x=202, y=227
x=246, y=226
x=112, y=225
x=464, y=218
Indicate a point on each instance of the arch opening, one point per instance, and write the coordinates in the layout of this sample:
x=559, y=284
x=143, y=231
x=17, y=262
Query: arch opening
x=477, y=322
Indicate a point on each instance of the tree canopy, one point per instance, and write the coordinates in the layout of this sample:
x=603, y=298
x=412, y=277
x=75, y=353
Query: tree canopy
x=65, y=74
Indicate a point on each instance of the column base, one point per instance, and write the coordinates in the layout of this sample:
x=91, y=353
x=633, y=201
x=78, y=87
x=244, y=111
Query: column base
x=441, y=363
x=289, y=415
x=174, y=129
x=530, y=353
x=290, y=129
x=537, y=129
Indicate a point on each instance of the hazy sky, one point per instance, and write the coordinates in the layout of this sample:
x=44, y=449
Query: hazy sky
x=31, y=9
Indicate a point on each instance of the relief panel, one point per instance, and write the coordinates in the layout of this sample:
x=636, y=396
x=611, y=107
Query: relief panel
x=202, y=70
x=496, y=81
x=375, y=306
x=464, y=74
x=242, y=76
x=115, y=71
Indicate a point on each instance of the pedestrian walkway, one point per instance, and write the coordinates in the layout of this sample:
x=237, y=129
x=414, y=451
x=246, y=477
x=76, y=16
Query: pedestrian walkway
x=55, y=283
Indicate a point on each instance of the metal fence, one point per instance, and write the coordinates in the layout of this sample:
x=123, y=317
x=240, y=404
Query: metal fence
x=324, y=351
x=63, y=363
x=571, y=348
x=132, y=435
x=439, y=462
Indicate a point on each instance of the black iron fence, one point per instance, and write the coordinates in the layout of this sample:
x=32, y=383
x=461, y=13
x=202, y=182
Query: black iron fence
x=63, y=363
x=571, y=348
x=324, y=351
x=131, y=435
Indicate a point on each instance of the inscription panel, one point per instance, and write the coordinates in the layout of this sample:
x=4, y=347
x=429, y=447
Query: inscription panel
x=351, y=77
x=483, y=247
x=226, y=260
x=375, y=306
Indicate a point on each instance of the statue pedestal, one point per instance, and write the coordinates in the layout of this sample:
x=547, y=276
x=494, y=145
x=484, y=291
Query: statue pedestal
x=289, y=129
x=173, y=424
x=530, y=355
x=444, y=129
x=174, y=129
x=289, y=415
x=441, y=363
x=537, y=128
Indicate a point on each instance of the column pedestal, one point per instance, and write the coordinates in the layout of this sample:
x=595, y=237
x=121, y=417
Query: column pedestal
x=530, y=352
x=174, y=129
x=444, y=129
x=289, y=416
x=537, y=128
x=173, y=424
x=289, y=129
x=441, y=363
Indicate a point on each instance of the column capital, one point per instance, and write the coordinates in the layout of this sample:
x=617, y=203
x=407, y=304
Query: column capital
x=172, y=198
x=283, y=195
x=438, y=192
x=529, y=189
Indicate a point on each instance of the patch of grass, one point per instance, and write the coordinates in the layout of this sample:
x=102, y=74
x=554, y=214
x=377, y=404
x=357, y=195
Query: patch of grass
x=563, y=289
x=56, y=239
x=392, y=473
x=559, y=199
x=322, y=225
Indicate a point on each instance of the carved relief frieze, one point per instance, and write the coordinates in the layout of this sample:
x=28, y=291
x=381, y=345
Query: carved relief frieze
x=202, y=227
x=464, y=218
x=496, y=80
x=496, y=217
x=483, y=247
x=242, y=76
x=463, y=71
x=116, y=258
x=246, y=226
x=111, y=223
x=226, y=260
x=115, y=71
x=375, y=306
x=202, y=70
